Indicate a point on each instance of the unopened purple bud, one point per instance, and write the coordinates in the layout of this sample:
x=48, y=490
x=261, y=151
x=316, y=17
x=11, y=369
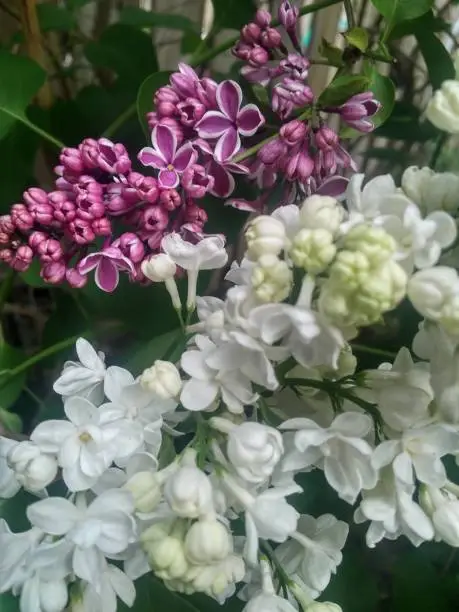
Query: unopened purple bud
x=21, y=217
x=206, y=90
x=196, y=181
x=54, y=272
x=42, y=213
x=166, y=109
x=300, y=166
x=64, y=210
x=102, y=227
x=166, y=94
x=242, y=51
x=6, y=255
x=34, y=196
x=154, y=218
x=196, y=215
x=146, y=186
x=280, y=104
x=191, y=111
x=81, y=231
x=263, y=18
x=294, y=132
x=250, y=33
x=270, y=38
x=296, y=66
x=288, y=15
x=272, y=151
x=36, y=238
x=22, y=258
x=326, y=139
x=170, y=199
x=183, y=84
x=131, y=246
x=120, y=199
x=50, y=250
x=75, y=279
x=6, y=224
x=258, y=56
x=72, y=160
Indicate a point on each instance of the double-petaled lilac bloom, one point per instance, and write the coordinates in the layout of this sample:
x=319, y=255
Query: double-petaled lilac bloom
x=230, y=122
x=356, y=110
x=220, y=169
x=166, y=157
x=107, y=265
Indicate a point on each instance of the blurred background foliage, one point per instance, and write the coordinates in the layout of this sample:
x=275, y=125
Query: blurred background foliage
x=81, y=68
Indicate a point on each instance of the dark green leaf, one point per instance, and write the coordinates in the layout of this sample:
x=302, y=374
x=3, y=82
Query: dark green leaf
x=145, y=96
x=153, y=595
x=9, y=603
x=32, y=276
x=167, y=346
x=387, y=154
x=342, y=88
x=438, y=60
x=53, y=17
x=76, y=4
x=384, y=91
x=19, y=148
x=191, y=41
x=20, y=80
x=134, y=16
x=331, y=53
x=358, y=37
x=127, y=51
x=9, y=358
x=427, y=22
x=10, y=421
x=13, y=511
x=233, y=14
x=398, y=10
x=405, y=124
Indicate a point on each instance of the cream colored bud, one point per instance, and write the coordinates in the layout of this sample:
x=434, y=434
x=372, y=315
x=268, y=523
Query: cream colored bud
x=162, y=378
x=373, y=242
x=145, y=488
x=265, y=236
x=321, y=212
x=443, y=108
x=159, y=268
x=313, y=250
x=207, y=542
x=272, y=279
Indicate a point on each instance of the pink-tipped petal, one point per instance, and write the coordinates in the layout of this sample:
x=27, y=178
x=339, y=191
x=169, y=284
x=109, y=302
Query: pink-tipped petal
x=223, y=181
x=333, y=187
x=107, y=275
x=249, y=120
x=229, y=99
x=213, y=125
x=168, y=179
x=184, y=157
x=88, y=263
x=165, y=142
x=149, y=157
x=227, y=146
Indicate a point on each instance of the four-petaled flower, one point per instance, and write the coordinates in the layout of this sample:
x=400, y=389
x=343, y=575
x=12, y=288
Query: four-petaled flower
x=107, y=264
x=230, y=121
x=166, y=157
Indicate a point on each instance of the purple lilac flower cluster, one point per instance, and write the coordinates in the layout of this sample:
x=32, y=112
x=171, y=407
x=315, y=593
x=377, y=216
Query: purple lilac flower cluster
x=95, y=186
x=306, y=153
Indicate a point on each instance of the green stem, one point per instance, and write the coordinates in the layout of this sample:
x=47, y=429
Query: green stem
x=118, y=122
x=441, y=141
x=349, y=13
x=373, y=351
x=57, y=143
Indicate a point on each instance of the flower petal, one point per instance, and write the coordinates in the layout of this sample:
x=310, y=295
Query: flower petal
x=149, y=157
x=168, y=179
x=249, y=120
x=228, y=145
x=89, y=262
x=229, y=99
x=107, y=275
x=198, y=395
x=50, y=435
x=213, y=125
x=223, y=181
x=88, y=356
x=185, y=156
x=79, y=410
x=54, y=515
x=164, y=142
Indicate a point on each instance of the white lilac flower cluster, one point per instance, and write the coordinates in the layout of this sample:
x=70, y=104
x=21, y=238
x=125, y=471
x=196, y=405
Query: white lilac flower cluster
x=272, y=389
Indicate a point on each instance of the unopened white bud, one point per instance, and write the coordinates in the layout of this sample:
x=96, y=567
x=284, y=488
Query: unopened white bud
x=214, y=579
x=347, y=363
x=373, y=242
x=350, y=270
x=323, y=606
x=430, y=289
x=415, y=181
x=321, y=212
x=159, y=268
x=33, y=469
x=443, y=508
x=162, y=378
x=145, y=488
x=254, y=450
x=208, y=541
x=271, y=279
x=53, y=595
x=313, y=250
x=443, y=108
x=265, y=236
x=189, y=492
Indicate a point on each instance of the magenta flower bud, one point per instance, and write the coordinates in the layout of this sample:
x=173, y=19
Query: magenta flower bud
x=263, y=18
x=131, y=246
x=102, y=227
x=356, y=110
x=21, y=217
x=329, y=165
x=36, y=238
x=242, y=51
x=280, y=104
x=152, y=120
x=258, y=56
x=72, y=160
x=166, y=94
x=206, y=90
x=146, y=187
x=272, y=151
x=154, y=218
x=166, y=109
x=50, y=250
x=6, y=224
x=196, y=181
x=250, y=33
x=89, y=198
x=42, y=213
x=270, y=38
x=62, y=184
x=22, y=258
x=170, y=199
x=326, y=138
x=191, y=111
x=81, y=231
x=120, y=198
x=300, y=166
x=6, y=255
x=35, y=196
x=288, y=15
x=294, y=132
x=195, y=215
x=75, y=279
x=64, y=211
x=296, y=66
x=184, y=81
x=106, y=155
x=53, y=273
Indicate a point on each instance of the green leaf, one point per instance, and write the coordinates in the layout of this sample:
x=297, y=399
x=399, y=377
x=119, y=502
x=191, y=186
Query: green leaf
x=405, y=124
x=145, y=96
x=10, y=357
x=53, y=17
x=19, y=148
x=191, y=41
x=342, y=88
x=427, y=22
x=438, y=60
x=134, y=16
x=399, y=10
x=358, y=37
x=153, y=595
x=330, y=52
x=20, y=79
x=9, y=603
x=234, y=14
x=76, y=4
x=127, y=51
x=10, y=421
x=167, y=346
x=384, y=91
